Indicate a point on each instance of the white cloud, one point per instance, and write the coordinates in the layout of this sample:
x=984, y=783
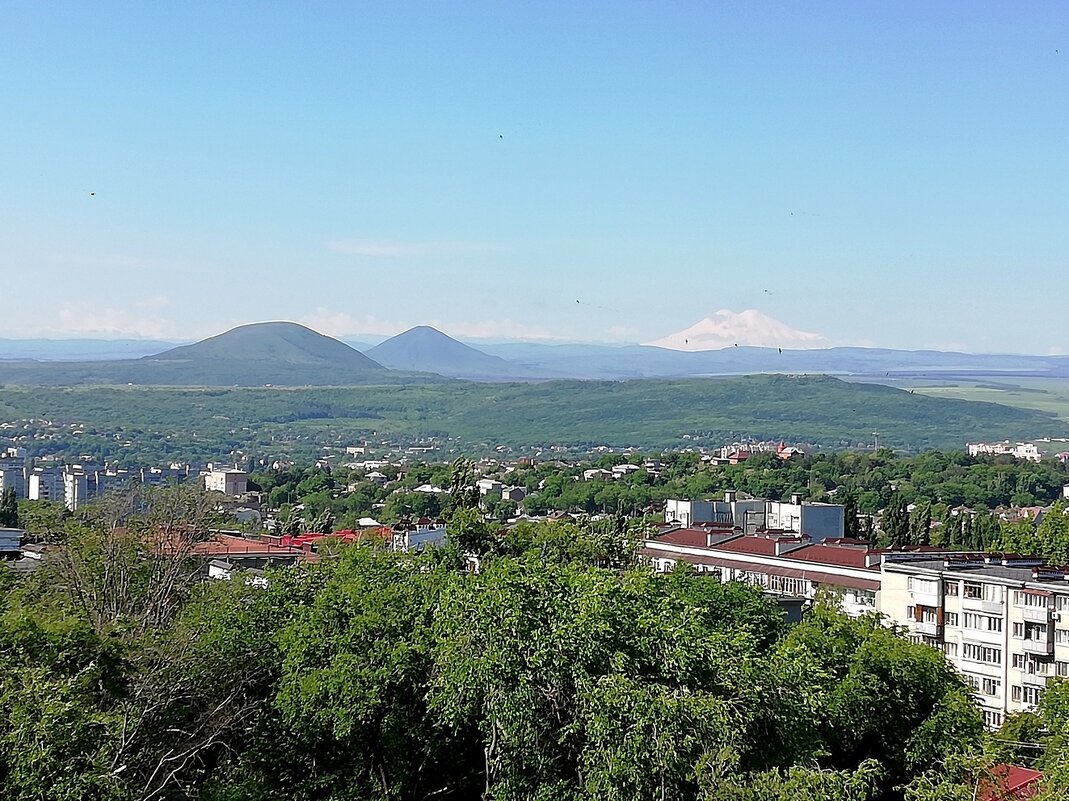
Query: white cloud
x=387, y=249
x=621, y=332
x=341, y=324
x=105, y=321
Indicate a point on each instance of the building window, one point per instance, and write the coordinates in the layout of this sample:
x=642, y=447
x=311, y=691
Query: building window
x=1029, y=695
x=1061, y=668
x=1061, y=603
x=1031, y=600
x=951, y=588
x=982, y=622
x=974, y=590
x=922, y=585
x=1035, y=631
x=864, y=597
x=788, y=586
x=911, y=613
x=950, y=649
x=951, y=618
x=982, y=653
x=992, y=720
x=991, y=687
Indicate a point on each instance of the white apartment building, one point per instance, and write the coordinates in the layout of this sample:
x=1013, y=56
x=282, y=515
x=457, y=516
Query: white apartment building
x=46, y=484
x=1019, y=450
x=1002, y=621
x=818, y=521
x=228, y=482
x=82, y=483
x=13, y=471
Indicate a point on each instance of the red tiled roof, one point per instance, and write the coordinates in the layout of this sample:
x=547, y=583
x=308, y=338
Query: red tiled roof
x=228, y=544
x=691, y=537
x=756, y=545
x=843, y=556
x=1010, y=783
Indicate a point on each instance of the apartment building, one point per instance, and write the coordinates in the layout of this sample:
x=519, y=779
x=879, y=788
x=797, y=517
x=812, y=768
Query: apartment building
x=786, y=566
x=227, y=481
x=817, y=521
x=46, y=484
x=82, y=483
x=13, y=471
x=1002, y=620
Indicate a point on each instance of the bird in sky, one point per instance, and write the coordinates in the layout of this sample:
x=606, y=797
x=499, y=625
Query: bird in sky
x=780, y=350
x=92, y=194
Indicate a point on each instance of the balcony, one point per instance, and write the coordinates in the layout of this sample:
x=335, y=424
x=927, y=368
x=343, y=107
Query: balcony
x=1044, y=647
x=1033, y=680
x=980, y=605
x=1036, y=614
x=931, y=629
x=928, y=599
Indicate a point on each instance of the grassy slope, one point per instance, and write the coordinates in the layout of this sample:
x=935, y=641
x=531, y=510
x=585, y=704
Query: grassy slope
x=1046, y=395
x=650, y=413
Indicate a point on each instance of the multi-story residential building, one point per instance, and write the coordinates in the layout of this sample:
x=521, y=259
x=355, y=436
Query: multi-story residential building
x=227, y=481
x=1019, y=450
x=82, y=483
x=780, y=565
x=46, y=484
x=1002, y=620
x=817, y=521
x=13, y=471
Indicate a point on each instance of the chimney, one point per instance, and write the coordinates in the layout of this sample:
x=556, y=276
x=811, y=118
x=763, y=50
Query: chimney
x=796, y=499
x=729, y=496
x=786, y=544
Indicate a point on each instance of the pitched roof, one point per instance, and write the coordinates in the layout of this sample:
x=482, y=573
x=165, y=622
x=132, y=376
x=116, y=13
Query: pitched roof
x=843, y=555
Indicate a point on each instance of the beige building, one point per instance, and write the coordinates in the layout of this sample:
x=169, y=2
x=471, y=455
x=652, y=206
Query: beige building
x=228, y=482
x=1001, y=620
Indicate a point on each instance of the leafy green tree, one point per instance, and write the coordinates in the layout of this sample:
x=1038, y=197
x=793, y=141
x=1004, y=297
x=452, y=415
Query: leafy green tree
x=463, y=494
x=9, y=509
x=895, y=523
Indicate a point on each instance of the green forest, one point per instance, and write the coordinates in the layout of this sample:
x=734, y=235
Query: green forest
x=146, y=424
x=561, y=670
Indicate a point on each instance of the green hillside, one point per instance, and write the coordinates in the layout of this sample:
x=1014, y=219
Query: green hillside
x=649, y=414
x=278, y=343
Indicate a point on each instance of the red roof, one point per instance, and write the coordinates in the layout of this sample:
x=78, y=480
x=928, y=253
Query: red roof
x=695, y=537
x=763, y=546
x=1010, y=783
x=841, y=555
x=230, y=545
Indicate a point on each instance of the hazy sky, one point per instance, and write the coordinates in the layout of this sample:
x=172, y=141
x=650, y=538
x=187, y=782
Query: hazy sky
x=892, y=173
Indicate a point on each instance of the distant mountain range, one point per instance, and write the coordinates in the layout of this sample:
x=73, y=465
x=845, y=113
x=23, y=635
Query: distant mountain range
x=289, y=354
x=277, y=353
x=428, y=350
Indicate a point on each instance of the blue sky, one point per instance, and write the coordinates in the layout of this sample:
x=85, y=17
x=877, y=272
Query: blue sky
x=894, y=174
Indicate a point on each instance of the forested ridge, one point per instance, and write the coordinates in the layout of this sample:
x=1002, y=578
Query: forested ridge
x=141, y=425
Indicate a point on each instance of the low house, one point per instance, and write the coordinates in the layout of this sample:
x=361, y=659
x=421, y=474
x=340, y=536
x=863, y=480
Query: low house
x=597, y=473
x=514, y=494
x=419, y=535
x=11, y=542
